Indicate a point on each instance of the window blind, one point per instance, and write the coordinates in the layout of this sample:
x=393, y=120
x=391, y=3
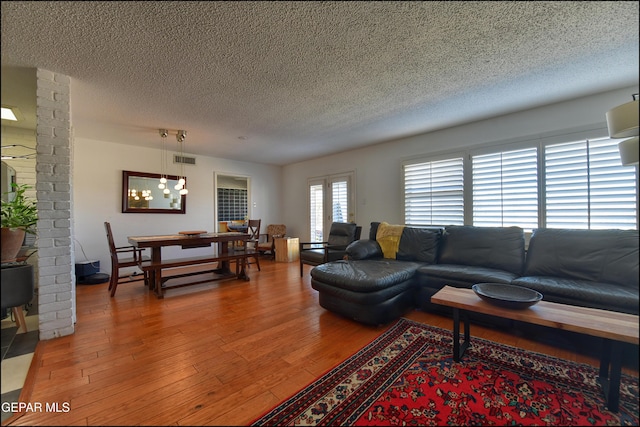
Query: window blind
x=587, y=187
x=505, y=189
x=433, y=192
x=340, y=201
x=316, y=196
x=571, y=184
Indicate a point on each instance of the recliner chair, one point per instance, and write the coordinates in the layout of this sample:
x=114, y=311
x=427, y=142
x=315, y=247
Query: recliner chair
x=341, y=234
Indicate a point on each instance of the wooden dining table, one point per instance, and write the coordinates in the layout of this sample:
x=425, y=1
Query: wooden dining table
x=221, y=254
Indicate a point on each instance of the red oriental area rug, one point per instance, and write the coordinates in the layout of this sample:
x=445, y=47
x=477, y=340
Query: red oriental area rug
x=407, y=377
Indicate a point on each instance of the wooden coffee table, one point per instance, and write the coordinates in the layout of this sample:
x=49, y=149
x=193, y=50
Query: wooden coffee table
x=612, y=326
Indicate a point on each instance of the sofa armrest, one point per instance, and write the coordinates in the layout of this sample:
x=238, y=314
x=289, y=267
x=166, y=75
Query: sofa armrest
x=364, y=249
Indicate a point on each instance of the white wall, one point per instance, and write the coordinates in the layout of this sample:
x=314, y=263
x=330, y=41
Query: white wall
x=280, y=194
x=97, y=187
x=378, y=168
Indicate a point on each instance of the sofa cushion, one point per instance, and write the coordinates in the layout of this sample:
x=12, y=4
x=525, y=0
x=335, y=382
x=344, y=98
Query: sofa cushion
x=415, y=244
x=365, y=275
x=592, y=255
x=419, y=244
x=607, y=296
x=438, y=275
x=373, y=231
x=500, y=248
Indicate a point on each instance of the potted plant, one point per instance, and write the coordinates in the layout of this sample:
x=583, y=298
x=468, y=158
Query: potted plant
x=19, y=216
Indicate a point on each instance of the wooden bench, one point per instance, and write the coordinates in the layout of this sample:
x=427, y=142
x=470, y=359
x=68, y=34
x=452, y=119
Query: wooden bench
x=221, y=272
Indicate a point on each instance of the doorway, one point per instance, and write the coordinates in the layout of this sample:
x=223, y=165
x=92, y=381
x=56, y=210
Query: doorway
x=232, y=199
x=331, y=199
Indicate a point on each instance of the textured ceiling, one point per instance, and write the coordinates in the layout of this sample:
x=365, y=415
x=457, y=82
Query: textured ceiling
x=299, y=80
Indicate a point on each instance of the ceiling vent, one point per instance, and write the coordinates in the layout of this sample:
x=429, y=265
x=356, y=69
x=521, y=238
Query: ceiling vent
x=184, y=159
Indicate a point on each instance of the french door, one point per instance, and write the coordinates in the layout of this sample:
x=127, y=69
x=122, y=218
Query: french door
x=331, y=199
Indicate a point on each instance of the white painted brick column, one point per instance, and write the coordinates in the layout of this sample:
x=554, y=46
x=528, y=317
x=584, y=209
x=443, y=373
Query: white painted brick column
x=56, y=279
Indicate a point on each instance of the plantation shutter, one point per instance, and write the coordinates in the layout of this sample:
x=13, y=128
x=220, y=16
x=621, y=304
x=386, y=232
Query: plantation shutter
x=587, y=187
x=433, y=193
x=316, y=215
x=340, y=201
x=505, y=189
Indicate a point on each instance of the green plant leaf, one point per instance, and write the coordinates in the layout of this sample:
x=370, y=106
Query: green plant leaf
x=19, y=212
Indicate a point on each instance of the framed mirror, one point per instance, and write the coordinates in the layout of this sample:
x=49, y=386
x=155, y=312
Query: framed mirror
x=140, y=194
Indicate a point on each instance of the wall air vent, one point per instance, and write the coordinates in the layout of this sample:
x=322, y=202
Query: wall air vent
x=184, y=159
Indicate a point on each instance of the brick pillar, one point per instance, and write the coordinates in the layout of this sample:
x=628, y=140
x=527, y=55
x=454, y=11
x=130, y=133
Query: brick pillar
x=56, y=274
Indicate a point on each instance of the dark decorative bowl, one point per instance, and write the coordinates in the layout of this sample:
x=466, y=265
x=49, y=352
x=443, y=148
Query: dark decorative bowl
x=509, y=296
x=193, y=233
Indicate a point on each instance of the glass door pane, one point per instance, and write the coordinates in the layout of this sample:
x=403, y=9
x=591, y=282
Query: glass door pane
x=316, y=211
x=339, y=201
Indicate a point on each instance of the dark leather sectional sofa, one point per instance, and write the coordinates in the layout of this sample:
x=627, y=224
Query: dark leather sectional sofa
x=590, y=268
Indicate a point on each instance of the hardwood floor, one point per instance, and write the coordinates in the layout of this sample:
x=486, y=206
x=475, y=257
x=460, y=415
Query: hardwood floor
x=213, y=354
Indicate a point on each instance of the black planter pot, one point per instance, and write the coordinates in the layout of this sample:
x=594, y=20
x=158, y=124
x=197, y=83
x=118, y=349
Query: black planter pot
x=17, y=285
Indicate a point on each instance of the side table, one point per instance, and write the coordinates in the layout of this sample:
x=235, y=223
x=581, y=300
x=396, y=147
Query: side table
x=287, y=249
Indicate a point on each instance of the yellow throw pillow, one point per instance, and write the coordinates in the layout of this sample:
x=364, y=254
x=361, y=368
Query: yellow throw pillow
x=388, y=237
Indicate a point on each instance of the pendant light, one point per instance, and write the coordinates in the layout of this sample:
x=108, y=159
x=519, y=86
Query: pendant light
x=163, y=164
x=182, y=179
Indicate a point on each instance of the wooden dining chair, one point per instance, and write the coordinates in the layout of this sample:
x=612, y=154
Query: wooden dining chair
x=124, y=257
x=251, y=245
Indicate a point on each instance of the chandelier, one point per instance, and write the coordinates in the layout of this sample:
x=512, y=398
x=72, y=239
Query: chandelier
x=182, y=179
